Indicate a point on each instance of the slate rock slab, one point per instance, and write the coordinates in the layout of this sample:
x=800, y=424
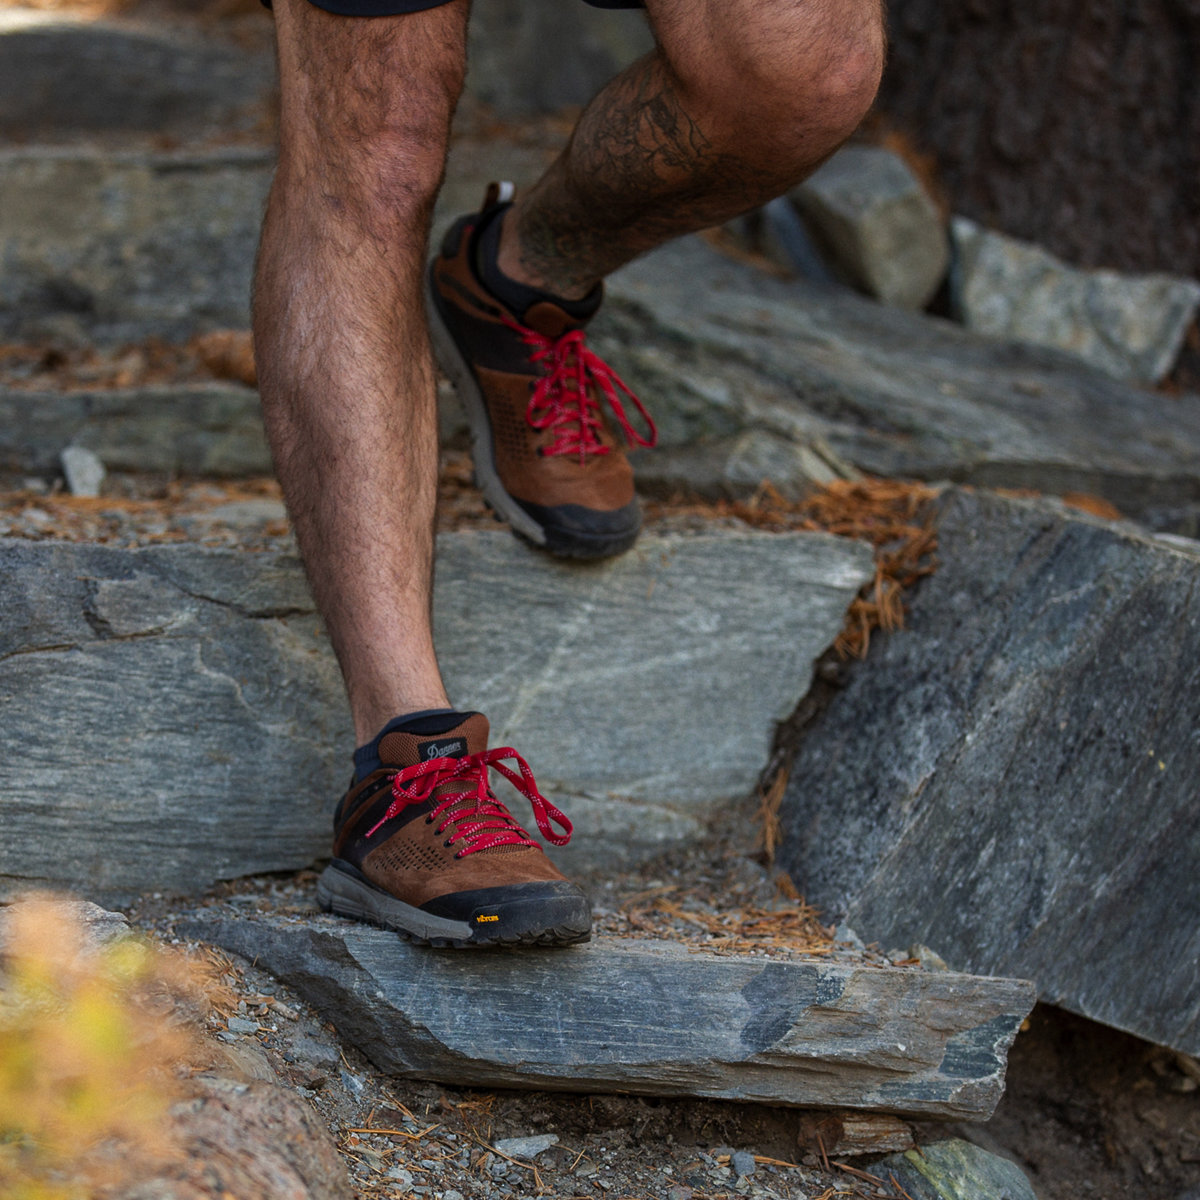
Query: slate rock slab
x=1013, y=779
x=69, y=79
x=128, y=244
x=649, y=1018
x=197, y=429
x=714, y=347
x=644, y=691
x=172, y=716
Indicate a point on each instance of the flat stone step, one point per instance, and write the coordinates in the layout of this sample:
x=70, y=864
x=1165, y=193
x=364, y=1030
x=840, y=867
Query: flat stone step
x=192, y=429
x=649, y=1018
x=172, y=715
x=123, y=245
x=65, y=78
x=1027, y=804
x=716, y=346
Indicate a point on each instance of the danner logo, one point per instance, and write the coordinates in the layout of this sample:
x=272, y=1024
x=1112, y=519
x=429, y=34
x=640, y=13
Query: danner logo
x=451, y=748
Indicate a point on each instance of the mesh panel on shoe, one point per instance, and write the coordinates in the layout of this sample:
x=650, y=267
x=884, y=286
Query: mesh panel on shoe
x=510, y=432
x=408, y=857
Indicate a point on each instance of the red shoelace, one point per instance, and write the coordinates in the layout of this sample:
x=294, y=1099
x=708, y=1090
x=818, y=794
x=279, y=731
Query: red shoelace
x=471, y=812
x=563, y=398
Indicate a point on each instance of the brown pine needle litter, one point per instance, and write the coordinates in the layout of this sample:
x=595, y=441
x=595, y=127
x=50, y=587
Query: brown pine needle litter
x=686, y=915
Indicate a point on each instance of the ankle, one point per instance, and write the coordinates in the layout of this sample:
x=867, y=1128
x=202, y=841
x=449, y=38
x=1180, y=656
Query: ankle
x=426, y=720
x=514, y=266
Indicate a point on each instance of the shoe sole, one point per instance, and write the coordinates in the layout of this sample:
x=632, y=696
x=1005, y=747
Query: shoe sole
x=487, y=478
x=527, y=922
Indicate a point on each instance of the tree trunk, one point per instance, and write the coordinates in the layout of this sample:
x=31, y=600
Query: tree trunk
x=1072, y=123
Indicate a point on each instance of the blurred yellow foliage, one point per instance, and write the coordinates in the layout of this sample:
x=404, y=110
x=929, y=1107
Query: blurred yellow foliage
x=90, y=1049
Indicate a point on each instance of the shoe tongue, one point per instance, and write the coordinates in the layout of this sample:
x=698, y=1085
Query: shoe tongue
x=545, y=317
x=400, y=748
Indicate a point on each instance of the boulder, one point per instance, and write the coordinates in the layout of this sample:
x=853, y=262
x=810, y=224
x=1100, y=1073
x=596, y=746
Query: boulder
x=593, y=1018
x=954, y=1170
x=173, y=716
x=877, y=225
x=1012, y=779
x=1129, y=326
x=714, y=347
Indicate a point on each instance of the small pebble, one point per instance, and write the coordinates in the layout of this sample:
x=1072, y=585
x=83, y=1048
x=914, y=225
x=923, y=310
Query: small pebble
x=241, y=1025
x=352, y=1083
x=83, y=470
x=452, y=1195
x=743, y=1163
x=401, y=1176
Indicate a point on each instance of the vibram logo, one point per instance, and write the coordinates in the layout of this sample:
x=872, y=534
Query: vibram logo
x=482, y=919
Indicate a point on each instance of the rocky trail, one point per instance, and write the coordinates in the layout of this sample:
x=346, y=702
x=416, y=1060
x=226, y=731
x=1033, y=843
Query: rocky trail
x=945, y=580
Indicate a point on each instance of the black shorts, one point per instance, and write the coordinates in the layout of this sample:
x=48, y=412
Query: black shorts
x=390, y=8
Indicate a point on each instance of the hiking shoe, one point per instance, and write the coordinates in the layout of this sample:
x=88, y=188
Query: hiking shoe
x=546, y=458
x=423, y=846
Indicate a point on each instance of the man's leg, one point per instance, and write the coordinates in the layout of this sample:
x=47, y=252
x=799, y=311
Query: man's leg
x=421, y=845
x=339, y=326
x=741, y=100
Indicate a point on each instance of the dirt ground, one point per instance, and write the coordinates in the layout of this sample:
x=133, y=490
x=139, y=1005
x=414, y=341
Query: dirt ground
x=1092, y=1112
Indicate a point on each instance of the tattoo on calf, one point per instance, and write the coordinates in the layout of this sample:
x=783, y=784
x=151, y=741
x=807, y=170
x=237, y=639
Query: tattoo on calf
x=651, y=173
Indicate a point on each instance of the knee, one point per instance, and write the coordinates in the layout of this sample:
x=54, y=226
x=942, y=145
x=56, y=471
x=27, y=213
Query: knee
x=369, y=148
x=785, y=90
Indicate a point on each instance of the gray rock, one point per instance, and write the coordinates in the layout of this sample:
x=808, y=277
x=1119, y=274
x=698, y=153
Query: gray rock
x=526, y=1147
x=163, y=706
x=955, y=1170
x=1028, y=805
x=715, y=347
x=64, y=78
x=83, y=470
x=673, y=636
x=241, y=1025
x=1129, y=326
x=196, y=429
x=776, y=1032
x=511, y=71
x=877, y=225
x=245, y=1062
x=742, y=1162
x=129, y=243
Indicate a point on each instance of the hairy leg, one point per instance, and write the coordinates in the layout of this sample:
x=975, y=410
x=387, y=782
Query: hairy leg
x=740, y=100
x=345, y=368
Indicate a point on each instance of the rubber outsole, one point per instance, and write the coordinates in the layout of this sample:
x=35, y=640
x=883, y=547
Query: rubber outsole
x=560, y=543
x=528, y=922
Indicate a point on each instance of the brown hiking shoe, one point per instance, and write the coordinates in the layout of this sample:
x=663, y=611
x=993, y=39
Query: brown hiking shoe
x=422, y=846
x=546, y=458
